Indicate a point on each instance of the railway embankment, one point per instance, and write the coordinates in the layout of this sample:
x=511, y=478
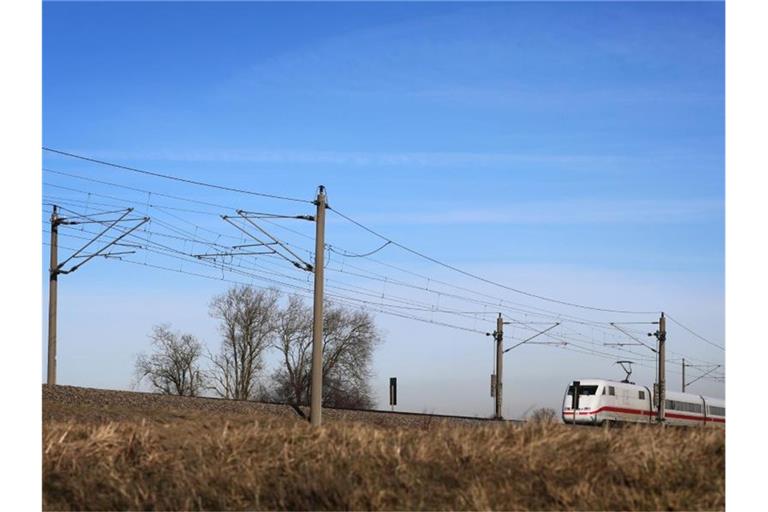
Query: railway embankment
x=90, y=404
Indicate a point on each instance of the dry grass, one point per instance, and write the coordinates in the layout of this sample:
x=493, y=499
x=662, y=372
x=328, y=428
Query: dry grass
x=203, y=461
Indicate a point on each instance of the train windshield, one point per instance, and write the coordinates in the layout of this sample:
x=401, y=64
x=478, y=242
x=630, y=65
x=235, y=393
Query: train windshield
x=583, y=390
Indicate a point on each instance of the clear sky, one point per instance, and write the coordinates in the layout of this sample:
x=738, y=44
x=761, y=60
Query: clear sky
x=572, y=150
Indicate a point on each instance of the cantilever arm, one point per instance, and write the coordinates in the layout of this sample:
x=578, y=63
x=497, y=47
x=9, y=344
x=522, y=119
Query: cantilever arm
x=532, y=337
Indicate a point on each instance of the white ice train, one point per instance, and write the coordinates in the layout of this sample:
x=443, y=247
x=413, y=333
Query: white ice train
x=598, y=402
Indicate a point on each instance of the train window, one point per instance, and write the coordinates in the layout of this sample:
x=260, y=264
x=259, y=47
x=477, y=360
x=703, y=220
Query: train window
x=641, y=395
x=603, y=390
x=677, y=405
x=717, y=411
x=611, y=391
x=583, y=390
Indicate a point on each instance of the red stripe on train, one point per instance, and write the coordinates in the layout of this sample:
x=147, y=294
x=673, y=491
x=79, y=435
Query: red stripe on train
x=609, y=408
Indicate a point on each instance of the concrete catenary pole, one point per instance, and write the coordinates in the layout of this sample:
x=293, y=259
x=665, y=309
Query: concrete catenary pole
x=52, y=298
x=499, y=364
x=662, y=338
x=316, y=402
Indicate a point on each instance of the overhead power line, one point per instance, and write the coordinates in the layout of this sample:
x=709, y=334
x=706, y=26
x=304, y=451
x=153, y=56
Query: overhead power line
x=633, y=337
x=155, y=247
x=160, y=194
x=344, y=252
x=528, y=340
x=350, y=255
x=126, y=187
x=702, y=338
x=386, y=299
x=175, y=178
x=299, y=264
x=423, y=307
x=480, y=278
x=571, y=346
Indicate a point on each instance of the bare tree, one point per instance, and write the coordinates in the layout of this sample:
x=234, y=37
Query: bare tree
x=349, y=338
x=294, y=341
x=247, y=317
x=172, y=368
x=543, y=415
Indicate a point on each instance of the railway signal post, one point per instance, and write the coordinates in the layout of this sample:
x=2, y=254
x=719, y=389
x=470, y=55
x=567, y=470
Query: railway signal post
x=683, y=375
x=393, y=392
x=661, y=381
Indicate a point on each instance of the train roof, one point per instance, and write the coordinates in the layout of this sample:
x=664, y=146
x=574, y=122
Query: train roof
x=676, y=395
x=670, y=395
x=601, y=381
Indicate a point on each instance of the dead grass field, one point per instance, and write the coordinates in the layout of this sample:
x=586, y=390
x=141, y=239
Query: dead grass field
x=181, y=459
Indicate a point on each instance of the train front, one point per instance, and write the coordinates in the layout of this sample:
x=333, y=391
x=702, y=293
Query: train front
x=581, y=397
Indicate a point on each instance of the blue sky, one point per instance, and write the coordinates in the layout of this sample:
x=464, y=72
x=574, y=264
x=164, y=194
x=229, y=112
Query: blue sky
x=575, y=150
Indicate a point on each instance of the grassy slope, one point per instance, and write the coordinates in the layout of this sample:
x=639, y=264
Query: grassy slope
x=189, y=459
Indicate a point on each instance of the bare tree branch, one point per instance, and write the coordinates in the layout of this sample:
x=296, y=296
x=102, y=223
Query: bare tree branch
x=349, y=338
x=247, y=324
x=173, y=367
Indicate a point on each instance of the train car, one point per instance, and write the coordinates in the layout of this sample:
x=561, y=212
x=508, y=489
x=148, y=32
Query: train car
x=600, y=401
